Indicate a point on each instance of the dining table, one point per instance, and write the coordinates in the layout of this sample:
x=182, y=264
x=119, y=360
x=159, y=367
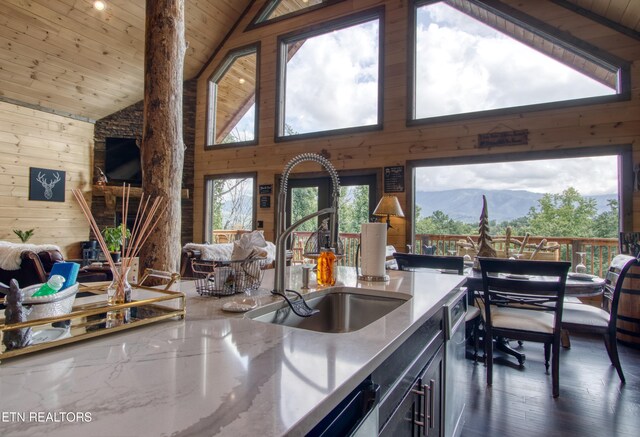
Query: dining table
x=577, y=285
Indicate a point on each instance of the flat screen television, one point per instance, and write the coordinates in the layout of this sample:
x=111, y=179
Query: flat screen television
x=122, y=161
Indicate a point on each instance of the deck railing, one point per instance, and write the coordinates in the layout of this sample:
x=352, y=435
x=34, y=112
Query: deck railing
x=349, y=241
x=598, y=251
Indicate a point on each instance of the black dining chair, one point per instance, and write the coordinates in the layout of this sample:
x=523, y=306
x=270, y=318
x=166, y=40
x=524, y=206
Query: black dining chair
x=523, y=300
x=410, y=261
x=443, y=264
x=580, y=317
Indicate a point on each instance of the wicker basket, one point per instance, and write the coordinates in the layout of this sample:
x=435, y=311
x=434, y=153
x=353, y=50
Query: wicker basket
x=224, y=278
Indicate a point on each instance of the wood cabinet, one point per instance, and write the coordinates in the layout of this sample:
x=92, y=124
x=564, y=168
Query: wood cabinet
x=420, y=412
x=411, y=383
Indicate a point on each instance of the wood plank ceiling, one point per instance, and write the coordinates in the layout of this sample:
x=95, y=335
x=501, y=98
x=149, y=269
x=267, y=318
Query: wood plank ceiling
x=66, y=56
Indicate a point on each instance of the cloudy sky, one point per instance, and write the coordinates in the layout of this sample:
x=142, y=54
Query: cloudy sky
x=332, y=80
x=590, y=176
x=463, y=66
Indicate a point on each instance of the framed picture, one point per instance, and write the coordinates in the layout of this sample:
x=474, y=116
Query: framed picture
x=46, y=184
x=265, y=201
x=394, y=179
x=630, y=243
x=265, y=189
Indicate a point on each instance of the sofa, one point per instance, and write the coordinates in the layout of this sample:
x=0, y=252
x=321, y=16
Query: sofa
x=35, y=267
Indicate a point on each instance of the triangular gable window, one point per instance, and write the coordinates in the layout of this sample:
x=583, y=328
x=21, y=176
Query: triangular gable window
x=277, y=9
x=470, y=58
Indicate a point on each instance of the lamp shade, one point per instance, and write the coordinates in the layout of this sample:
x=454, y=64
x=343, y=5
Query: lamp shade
x=388, y=206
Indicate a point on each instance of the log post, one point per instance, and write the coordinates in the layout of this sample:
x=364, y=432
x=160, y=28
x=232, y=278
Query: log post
x=162, y=148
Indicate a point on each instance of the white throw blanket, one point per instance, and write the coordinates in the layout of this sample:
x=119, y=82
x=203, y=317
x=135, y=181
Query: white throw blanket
x=249, y=245
x=10, y=253
x=212, y=252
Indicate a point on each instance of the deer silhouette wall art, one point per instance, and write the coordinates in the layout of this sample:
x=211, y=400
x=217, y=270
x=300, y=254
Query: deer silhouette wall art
x=46, y=184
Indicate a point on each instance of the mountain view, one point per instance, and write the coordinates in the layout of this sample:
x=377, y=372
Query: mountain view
x=465, y=204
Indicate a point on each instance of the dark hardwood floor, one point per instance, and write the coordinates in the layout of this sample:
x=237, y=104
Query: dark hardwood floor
x=592, y=400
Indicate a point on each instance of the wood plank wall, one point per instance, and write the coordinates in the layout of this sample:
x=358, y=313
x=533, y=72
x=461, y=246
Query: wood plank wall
x=31, y=138
x=554, y=129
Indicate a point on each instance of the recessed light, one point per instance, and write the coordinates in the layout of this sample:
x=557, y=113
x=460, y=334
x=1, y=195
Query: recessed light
x=241, y=81
x=99, y=5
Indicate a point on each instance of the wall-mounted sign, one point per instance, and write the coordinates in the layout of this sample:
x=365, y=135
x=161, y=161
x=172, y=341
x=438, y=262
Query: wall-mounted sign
x=45, y=184
x=265, y=189
x=507, y=138
x=265, y=201
x=394, y=179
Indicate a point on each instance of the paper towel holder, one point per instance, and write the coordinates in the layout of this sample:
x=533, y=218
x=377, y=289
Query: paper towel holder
x=367, y=278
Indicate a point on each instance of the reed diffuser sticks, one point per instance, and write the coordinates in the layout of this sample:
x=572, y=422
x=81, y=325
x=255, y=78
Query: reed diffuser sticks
x=147, y=217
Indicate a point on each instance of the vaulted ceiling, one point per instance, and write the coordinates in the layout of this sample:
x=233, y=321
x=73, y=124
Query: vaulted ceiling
x=66, y=56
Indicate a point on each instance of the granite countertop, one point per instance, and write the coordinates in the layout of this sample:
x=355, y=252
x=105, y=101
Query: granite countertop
x=215, y=373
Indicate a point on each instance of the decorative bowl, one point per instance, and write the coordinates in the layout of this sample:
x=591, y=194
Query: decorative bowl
x=52, y=305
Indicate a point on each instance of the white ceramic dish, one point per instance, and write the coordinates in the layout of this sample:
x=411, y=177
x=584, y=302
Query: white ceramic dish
x=240, y=305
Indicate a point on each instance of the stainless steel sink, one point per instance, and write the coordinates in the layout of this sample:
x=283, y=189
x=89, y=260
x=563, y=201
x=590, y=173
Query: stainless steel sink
x=342, y=309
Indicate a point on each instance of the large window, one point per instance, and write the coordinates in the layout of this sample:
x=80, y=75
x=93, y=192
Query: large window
x=568, y=204
x=329, y=79
x=232, y=110
x=469, y=58
x=229, y=205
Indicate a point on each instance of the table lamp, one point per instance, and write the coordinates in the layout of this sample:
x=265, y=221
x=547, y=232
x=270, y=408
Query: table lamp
x=388, y=206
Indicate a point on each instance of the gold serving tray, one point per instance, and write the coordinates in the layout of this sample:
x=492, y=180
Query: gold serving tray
x=91, y=316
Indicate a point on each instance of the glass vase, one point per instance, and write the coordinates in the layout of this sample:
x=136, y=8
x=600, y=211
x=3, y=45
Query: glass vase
x=119, y=291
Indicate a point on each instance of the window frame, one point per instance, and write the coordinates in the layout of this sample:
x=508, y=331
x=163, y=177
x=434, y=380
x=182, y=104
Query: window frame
x=269, y=6
x=223, y=67
x=541, y=29
x=625, y=175
x=320, y=29
x=207, y=226
x=325, y=188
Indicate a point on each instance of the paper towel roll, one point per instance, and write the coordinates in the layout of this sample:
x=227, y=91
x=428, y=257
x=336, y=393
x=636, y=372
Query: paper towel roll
x=373, y=250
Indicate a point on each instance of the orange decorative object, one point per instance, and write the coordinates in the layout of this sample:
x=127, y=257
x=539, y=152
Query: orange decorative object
x=327, y=267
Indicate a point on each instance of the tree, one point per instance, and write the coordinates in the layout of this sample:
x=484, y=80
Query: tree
x=304, y=201
x=354, y=207
x=230, y=205
x=563, y=215
x=519, y=226
x=606, y=224
x=440, y=223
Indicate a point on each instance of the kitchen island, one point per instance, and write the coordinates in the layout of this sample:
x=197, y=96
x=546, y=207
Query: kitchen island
x=215, y=373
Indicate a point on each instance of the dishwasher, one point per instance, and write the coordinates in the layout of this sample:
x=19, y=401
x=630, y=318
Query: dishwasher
x=456, y=374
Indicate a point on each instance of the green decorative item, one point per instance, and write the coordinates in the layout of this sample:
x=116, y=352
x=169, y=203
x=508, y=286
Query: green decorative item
x=23, y=235
x=113, y=238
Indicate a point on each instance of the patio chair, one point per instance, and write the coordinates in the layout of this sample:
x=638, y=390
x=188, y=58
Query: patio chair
x=519, y=304
x=579, y=317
